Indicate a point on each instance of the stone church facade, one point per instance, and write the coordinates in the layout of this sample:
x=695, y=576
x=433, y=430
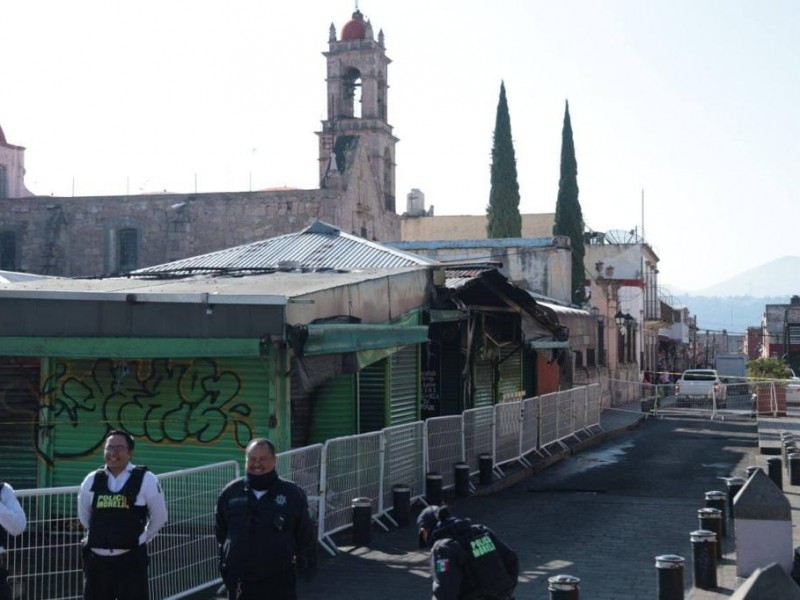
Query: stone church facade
x=105, y=235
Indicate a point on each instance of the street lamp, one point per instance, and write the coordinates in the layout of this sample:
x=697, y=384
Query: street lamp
x=620, y=319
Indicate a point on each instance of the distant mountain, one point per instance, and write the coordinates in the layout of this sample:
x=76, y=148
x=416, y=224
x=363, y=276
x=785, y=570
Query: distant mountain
x=734, y=314
x=780, y=277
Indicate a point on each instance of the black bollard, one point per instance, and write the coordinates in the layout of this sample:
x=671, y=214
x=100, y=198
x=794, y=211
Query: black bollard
x=670, y=577
x=362, y=521
x=704, y=559
x=794, y=468
x=752, y=469
x=789, y=447
x=433, y=489
x=401, y=504
x=564, y=587
x=719, y=500
x=710, y=519
x=462, y=479
x=485, y=466
x=775, y=470
x=734, y=485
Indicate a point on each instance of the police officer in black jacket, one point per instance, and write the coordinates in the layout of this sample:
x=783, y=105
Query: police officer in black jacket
x=264, y=530
x=467, y=561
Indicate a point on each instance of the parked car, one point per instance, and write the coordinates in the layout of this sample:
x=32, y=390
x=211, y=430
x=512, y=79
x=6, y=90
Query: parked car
x=701, y=383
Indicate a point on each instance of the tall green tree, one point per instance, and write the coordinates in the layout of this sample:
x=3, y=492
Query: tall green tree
x=503, y=218
x=569, y=218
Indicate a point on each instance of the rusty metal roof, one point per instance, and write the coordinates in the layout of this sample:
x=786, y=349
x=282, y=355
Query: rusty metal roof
x=318, y=247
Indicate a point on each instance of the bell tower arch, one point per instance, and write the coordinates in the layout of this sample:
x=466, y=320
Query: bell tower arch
x=357, y=86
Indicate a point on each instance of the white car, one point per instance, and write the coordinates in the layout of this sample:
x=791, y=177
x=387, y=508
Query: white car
x=701, y=383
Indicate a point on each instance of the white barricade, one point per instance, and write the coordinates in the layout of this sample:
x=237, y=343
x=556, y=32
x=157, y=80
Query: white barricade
x=507, y=428
x=548, y=419
x=579, y=400
x=403, y=461
x=444, y=440
x=478, y=435
x=302, y=467
x=529, y=438
x=593, y=397
x=351, y=468
x=565, y=417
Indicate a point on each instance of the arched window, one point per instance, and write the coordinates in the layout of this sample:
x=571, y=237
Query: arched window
x=351, y=94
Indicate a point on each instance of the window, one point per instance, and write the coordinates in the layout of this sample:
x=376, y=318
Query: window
x=8, y=251
x=127, y=250
x=3, y=182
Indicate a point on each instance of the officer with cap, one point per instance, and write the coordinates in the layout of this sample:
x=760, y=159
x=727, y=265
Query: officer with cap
x=467, y=560
x=12, y=522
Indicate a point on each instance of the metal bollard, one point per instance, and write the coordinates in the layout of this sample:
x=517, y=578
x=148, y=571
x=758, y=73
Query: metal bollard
x=401, y=504
x=704, y=559
x=564, y=587
x=717, y=499
x=789, y=446
x=670, y=576
x=462, y=479
x=794, y=468
x=362, y=521
x=485, y=466
x=710, y=519
x=433, y=489
x=775, y=470
x=734, y=485
x=752, y=469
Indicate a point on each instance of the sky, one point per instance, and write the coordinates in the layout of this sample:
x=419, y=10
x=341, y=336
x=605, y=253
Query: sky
x=684, y=112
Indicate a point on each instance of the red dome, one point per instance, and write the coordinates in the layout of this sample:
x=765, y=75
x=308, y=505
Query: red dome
x=355, y=28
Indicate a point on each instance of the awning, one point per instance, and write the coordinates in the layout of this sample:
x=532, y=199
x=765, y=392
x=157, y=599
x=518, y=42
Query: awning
x=443, y=316
x=108, y=347
x=547, y=344
x=335, y=339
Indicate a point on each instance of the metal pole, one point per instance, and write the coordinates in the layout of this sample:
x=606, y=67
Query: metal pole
x=670, y=576
x=704, y=559
x=433, y=489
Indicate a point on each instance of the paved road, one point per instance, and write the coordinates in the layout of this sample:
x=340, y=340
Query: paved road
x=601, y=514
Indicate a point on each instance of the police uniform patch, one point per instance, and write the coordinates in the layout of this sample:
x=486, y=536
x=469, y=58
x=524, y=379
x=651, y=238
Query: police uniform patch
x=443, y=565
x=280, y=499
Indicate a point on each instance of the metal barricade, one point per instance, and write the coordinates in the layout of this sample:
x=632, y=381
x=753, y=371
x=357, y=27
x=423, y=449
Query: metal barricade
x=593, y=397
x=478, y=426
x=444, y=440
x=302, y=467
x=579, y=400
x=508, y=426
x=529, y=438
x=548, y=419
x=565, y=416
x=403, y=461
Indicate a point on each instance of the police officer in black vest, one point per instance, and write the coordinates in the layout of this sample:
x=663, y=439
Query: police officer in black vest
x=12, y=522
x=122, y=507
x=264, y=530
x=467, y=561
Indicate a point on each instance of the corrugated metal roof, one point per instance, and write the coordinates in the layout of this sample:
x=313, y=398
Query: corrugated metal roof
x=458, y=278
x=318, y=247
x=14, y=276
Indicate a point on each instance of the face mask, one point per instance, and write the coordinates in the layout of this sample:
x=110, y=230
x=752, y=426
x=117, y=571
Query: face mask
x=261, y=482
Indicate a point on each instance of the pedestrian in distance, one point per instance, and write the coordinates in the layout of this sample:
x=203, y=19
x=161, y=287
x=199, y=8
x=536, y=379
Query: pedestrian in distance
x=122, y=508
x=264, y=530
x=468, y=561
x=12, y=523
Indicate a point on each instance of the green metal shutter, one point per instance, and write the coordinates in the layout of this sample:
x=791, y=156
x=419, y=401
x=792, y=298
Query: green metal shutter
x=483, y=393
x=404, y=406
x=182, y=413
x=510, y=368
x=333, y=411
x=372, y=397
x=19, y=413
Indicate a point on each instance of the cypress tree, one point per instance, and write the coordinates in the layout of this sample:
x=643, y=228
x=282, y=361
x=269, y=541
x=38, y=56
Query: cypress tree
x=569, y=218
x=503, y=218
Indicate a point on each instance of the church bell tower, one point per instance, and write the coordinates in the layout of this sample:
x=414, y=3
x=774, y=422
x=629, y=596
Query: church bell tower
x=357, y=105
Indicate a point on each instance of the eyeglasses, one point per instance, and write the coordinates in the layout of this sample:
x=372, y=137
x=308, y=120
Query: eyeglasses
x=116, y=448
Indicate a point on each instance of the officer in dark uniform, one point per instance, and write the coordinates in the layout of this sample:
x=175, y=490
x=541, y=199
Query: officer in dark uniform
x=264, y=530
x=467, y=561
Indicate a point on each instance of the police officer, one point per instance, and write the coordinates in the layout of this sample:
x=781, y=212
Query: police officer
x=264, y=530
x=122, y=507
x=12, y=522
x=467, y=561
